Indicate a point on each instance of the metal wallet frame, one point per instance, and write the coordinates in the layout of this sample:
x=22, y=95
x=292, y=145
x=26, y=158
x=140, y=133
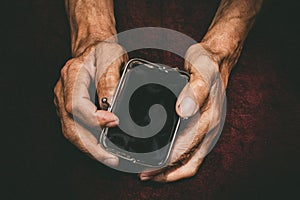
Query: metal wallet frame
x=118, y=90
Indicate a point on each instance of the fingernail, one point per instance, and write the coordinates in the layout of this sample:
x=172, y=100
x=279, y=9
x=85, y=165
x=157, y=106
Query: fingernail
x=144, y=178
x=116, y=119
x=112, y=124
x=111, y=161
x=187, y=107
x=112, y=118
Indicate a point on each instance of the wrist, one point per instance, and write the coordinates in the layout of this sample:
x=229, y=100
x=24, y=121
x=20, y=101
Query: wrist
x=224, y=48
x=224, y=43
x=227, y=33
x=91, y=22
x=224, y=59
x=88, y=35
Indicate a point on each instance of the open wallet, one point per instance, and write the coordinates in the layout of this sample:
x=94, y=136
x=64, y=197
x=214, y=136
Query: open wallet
x=145, y=102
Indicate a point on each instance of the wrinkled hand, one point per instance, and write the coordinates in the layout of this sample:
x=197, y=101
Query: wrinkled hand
x=203, y=99
x=81, y=121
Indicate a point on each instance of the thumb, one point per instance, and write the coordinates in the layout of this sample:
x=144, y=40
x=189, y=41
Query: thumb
x=192, y=97
x=108, y=81
x=109, y=78
x=110, y=58
x=203, y=70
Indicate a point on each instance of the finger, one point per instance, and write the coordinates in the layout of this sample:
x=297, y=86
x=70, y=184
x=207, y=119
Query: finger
x=192, y=97
x=84, y=109
x=110, y=58
x=186, y=171
x=189, y=138
x=185, y=145
x=188, y=161
x=93, y=147
x=189, y=168
x=108, y=81
x=77, y=90
x=203, y=71
x=84, y=139
x=149, y=173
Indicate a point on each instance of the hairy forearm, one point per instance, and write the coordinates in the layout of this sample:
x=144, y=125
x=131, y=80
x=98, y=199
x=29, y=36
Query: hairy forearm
x=230, y=26
x=91, y=21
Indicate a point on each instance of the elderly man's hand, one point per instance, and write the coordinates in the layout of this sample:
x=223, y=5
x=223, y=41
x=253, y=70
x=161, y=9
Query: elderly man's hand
x=202, y=98
x=210, y=64
x=99, y=64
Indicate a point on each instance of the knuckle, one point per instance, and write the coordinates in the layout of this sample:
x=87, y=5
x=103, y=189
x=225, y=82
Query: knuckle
x=65, y=130
x=200, y=85
x=74, y=106
x=114, y=47
x=103, y=118
x=192, y=49
x=63, y=71
x=193, y=172
x=190, y=173
x=69, y=107
x=69, y=65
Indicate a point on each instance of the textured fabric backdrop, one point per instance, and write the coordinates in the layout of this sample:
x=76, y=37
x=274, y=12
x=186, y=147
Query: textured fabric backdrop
x=257, y=156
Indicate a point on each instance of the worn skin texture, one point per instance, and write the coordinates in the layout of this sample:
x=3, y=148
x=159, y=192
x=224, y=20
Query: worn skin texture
x=92, y=22
x=256, y=156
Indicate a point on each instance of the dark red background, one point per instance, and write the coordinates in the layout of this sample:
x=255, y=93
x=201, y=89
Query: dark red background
x=257, y=156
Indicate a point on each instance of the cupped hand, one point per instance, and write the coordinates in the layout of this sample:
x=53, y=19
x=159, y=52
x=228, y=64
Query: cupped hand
x=202, y=102
x=97, y=67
